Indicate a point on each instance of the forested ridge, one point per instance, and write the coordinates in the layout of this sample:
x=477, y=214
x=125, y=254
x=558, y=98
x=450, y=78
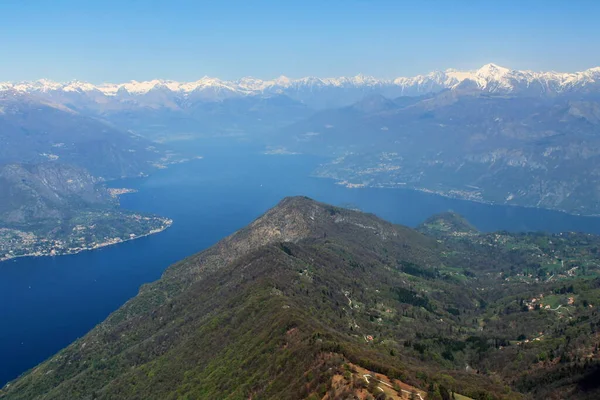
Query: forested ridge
x=314, y=301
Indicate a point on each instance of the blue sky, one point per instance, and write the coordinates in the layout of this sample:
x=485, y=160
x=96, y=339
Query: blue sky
x=109, y=40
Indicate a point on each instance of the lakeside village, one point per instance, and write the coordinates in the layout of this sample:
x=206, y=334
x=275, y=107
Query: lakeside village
x=16, y=243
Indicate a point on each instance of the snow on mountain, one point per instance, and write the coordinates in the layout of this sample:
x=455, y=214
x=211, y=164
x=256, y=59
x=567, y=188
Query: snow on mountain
x=489, y=78
x=77, y=86
x=41, y=85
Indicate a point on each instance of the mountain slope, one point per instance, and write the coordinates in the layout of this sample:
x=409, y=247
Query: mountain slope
x=33, y=130
x=52, y=209
x=36, y=193
x=299, y=302
x=52, y=162
x=490, y=148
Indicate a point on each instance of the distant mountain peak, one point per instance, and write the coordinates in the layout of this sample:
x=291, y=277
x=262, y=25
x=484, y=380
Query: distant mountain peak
x=493, y=67
x=492, y=70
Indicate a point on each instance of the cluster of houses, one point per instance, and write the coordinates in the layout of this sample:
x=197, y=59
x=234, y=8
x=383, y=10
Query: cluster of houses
x=538, y=301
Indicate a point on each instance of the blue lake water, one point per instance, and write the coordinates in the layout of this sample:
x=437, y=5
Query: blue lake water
x=46, y=303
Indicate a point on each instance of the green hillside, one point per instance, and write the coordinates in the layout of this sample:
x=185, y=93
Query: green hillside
x=313, y=301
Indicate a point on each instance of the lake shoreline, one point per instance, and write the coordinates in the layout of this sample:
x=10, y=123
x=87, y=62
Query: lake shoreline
x=350, y=185
x=53, y=301
x=168, y=224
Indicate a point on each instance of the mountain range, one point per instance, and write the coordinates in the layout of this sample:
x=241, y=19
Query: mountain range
x=494, y=134
x=312, y=301
x=536, y=152
x=498, y=136
x=165, y=110
x=490, y=78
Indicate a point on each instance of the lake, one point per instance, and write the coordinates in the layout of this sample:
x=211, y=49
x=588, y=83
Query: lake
x=46, y=303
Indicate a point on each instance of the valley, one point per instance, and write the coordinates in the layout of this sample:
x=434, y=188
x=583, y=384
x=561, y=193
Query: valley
x=310, y=299
x=494, y=134
x=360, y=200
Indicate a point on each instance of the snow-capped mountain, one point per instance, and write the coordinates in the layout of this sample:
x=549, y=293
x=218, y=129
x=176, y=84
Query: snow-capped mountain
x=490, y=77
x=313, y=91
x=448, y=129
